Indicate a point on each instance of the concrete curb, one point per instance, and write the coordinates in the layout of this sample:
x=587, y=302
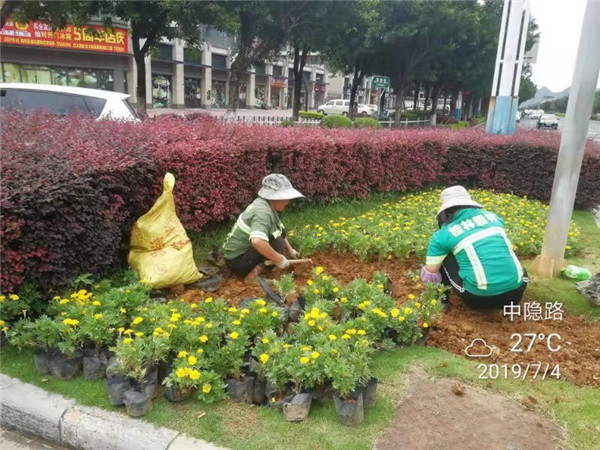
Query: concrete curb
x=31, y=409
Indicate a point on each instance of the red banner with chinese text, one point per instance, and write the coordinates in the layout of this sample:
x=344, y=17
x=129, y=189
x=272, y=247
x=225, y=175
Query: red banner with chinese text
x=40, y=34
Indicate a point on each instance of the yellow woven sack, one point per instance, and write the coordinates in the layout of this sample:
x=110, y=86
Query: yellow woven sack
x=160, y=251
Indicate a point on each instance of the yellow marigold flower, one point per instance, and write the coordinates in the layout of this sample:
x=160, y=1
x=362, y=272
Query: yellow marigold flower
x=433, y=302
x=192, y=360
x=237, y=322
x=5, y=329
x=123, y=310
x=417, y=305
x=319, y=270
x=200, y=319
x=175, y=317
x=181, y=372
x=2, y=323
x=408, y=311
x=351, y=331
x=344, y=300
x=128, y=331
x=274, y=314
x=264, y=358
x=13, y=297
x=262, y=310
x=182, y=354
x=312, y=323
x=401, y=318
x=56, y=297
x=361, y=332
x=411, y=296
x=261, y=302
x=139, y=334
x=315, y=355
x=2, y=298
x=394, y=312
x=208, y=300
x=367, y=302
x=127, y=341
x=336, y=290
x=316, y=291
x=265, y=340
x=64, y=301
x=96, y=303
x=137, y=321
x=208, y=326
x=234, y=335
x=120, y=329
x=425, y=325
x=203, y=339
x=206, y=388
x=232, y=309
x=200, y=351
x=309, y=282
x=97, y=316
x=306, y=348
x=245, y=311
x=304, y=360
x=346, y=336
x=332, y=337
x=193, y=306
x=324, y=277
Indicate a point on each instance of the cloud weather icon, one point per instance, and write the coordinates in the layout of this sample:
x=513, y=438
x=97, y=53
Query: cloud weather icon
x=478, y=349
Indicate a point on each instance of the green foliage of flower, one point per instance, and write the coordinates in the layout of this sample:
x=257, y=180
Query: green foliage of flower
x=285, y=285
x=138, y=354
x=405, y=227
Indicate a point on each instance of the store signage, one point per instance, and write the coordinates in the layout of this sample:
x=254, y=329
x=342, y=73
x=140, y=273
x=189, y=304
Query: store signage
x=278, y=82
x=40, y=34
x=320, y=87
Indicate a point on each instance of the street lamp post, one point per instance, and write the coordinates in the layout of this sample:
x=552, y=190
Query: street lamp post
x=572, y=144
x=509, y=62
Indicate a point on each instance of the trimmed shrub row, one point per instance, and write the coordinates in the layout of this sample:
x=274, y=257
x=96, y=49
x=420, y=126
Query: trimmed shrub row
x=72, y=187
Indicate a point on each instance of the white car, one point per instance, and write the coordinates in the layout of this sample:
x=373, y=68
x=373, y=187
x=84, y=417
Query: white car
x=548, y=121
x=518, y=116
x=536, y=114
x=342, y=107
x=63, y=100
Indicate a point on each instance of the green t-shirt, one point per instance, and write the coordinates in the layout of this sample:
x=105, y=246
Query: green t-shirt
x=259, y=220
x=487, y=264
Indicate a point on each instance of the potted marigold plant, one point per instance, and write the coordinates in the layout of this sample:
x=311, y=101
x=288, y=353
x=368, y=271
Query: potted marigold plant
x=183, y=380
x=229, y=362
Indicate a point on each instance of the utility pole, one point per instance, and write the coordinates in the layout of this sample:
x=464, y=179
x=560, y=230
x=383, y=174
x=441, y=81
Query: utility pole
x=572, y=144
x=504, y=99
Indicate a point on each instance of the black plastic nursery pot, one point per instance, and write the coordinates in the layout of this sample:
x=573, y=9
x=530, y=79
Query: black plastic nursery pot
x=258, y=392
x=164, y=369
x=296, y=311
x=94, y=365
x=321, y=393
x=137, y=401
x=175, y=395
x=65, y=367
x=150, y=383
x=350, y=410
x=298, y=408
x=116, y=386
x=369, y=393
x=41, y=358
x=241, y=391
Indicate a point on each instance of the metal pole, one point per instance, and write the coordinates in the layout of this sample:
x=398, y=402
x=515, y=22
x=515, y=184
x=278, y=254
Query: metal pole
x=572, y=145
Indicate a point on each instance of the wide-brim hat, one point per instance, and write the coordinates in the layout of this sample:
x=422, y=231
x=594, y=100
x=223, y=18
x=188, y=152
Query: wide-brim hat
x=277, y=187
x=456, y=196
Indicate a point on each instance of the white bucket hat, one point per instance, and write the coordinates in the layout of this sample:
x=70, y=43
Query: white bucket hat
x=456, y=196
x=277, y=187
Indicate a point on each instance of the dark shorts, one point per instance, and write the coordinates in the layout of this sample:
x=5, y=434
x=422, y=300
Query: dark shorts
x=246, y=262
x=451, y=278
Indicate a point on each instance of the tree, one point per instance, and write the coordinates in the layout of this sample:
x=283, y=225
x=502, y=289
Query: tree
x=527, y=88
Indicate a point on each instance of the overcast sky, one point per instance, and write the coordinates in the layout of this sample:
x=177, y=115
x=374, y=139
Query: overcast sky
x=560, y=28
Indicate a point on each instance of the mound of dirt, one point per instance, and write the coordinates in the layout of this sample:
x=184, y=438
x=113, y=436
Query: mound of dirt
x=434, y=416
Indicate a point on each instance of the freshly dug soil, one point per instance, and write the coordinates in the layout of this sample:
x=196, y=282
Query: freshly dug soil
x=432, y=416
x=579, y=357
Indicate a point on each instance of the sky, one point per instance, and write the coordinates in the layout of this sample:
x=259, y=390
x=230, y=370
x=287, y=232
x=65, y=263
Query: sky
x=560, y=28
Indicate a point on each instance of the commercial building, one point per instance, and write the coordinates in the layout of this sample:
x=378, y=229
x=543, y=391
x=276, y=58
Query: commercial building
x=177, y=76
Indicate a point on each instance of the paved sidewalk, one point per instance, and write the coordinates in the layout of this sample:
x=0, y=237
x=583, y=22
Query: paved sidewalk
x=30, y=409
x=17, y=440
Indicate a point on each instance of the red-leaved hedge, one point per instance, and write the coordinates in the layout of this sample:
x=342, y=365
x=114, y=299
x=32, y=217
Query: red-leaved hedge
x=72, y=187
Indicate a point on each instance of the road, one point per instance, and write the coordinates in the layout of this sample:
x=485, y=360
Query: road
x=593, y=129
x=15, y=440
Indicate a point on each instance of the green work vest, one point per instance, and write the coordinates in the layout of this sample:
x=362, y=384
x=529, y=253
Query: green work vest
x=259, y=220
x=487, y=264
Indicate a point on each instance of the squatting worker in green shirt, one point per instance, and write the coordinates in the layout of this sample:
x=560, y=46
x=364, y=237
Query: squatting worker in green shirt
x=259, y=235
x=472, y=253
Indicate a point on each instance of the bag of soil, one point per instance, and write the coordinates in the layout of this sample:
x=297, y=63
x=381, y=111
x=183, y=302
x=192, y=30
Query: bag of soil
x=161, y=252
x=297, y=409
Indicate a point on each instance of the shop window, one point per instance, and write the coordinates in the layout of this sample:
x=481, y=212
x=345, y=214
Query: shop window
x=192, y=92
x=161, y=91
x=277, y=71
x=219, y=61
x=192, y=55
x=10, y=73
x=218, y=94
x=36, y=74
x=260, y=97
x=164, y=51
x=259, y=69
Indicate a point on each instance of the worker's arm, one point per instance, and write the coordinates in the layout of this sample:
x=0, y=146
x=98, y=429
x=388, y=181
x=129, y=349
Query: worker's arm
x=264, y=248
x=433, y=268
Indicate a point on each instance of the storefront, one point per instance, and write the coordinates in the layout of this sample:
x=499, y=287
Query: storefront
x=218, y=90
x=33, y=53
x=192, y=92
x=260, y=92
x=319, y=88
x=277, y=86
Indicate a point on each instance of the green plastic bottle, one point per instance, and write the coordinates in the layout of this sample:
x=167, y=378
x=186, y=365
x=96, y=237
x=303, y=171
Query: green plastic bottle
x=577, y=273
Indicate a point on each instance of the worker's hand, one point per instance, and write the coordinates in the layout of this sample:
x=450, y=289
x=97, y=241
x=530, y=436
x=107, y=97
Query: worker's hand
x=430, y=277
x=283, y=263
x=294, y=254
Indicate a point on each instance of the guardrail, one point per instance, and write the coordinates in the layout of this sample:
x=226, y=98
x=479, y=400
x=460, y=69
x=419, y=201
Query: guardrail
x=405, y=123
x=265, y=120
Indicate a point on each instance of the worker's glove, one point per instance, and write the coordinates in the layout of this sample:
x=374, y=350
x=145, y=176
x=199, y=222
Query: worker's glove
x=294, y=254
x=430, y=277
x=284, y=263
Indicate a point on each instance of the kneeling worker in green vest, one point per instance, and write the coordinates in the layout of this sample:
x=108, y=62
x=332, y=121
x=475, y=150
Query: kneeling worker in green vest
x=472, y=253
x=259, y=235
